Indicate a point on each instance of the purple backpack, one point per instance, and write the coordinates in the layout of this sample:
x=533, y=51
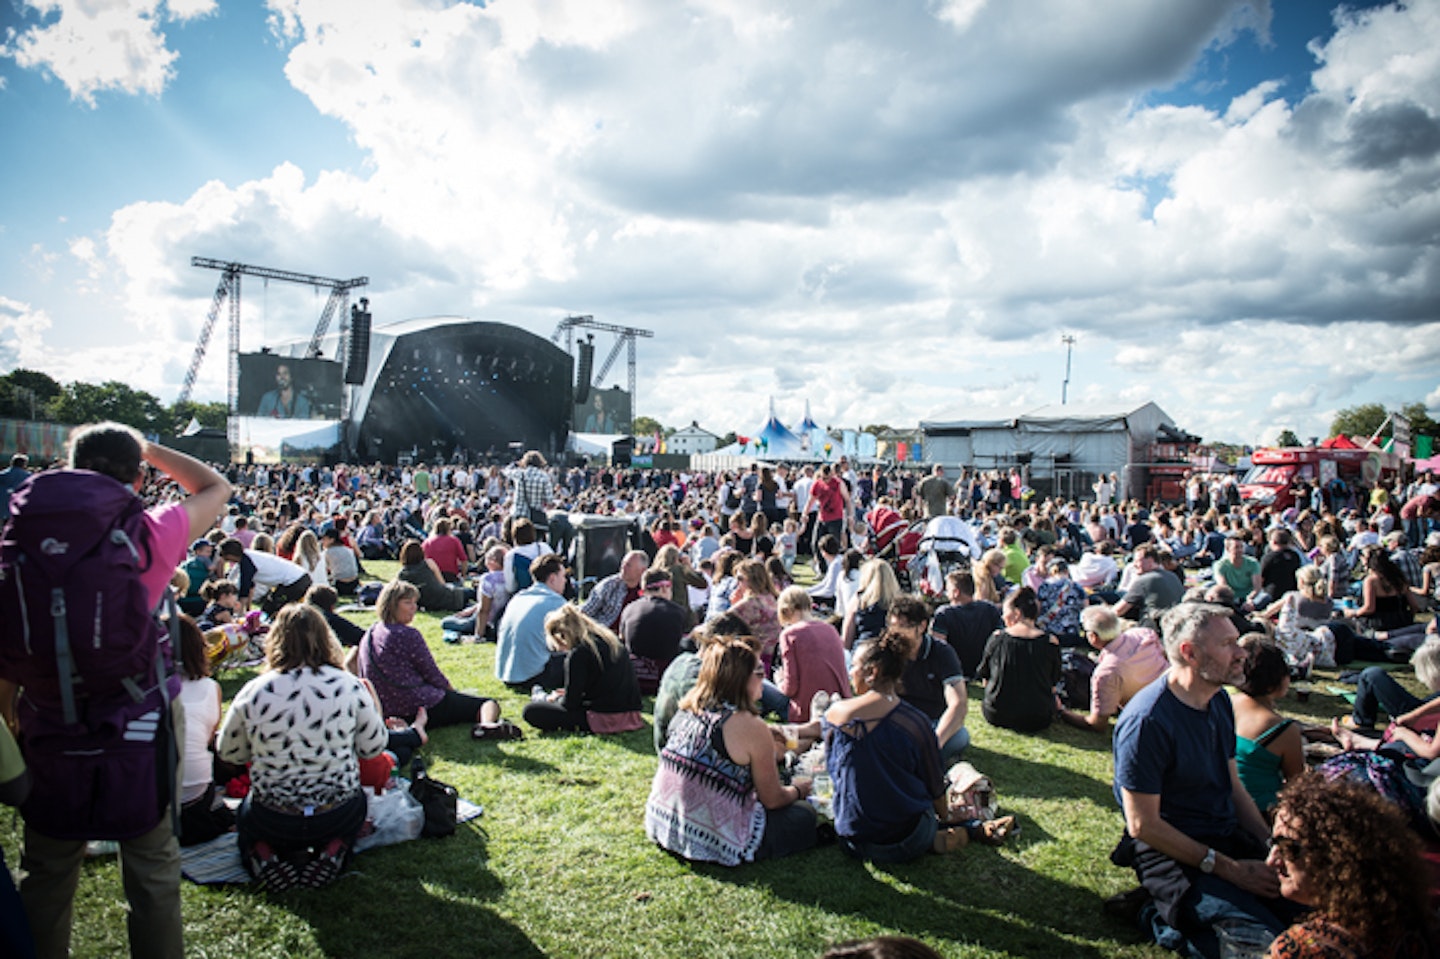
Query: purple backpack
x=77, y=633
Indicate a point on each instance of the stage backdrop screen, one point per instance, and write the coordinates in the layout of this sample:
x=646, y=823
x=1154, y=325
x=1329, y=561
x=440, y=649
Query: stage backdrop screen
x=605, y=411
x=285, y=388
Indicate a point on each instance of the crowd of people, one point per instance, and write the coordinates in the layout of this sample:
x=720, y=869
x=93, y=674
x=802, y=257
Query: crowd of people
x=786, y=713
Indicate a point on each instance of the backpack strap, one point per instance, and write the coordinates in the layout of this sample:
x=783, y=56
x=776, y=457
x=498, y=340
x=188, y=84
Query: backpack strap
x=64, y=656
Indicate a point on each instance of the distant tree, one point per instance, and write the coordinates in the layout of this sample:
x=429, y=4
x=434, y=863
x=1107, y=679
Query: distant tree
x=1287, y=437
x=1362, y=420
x=1227, y=453
x=875, y=429
x=24, y=393
x=212, y=415
x=112, y=400
x=1420, y=422
x=648, y=426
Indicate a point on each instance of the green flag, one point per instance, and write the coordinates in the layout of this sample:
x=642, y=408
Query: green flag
x=1424, y=447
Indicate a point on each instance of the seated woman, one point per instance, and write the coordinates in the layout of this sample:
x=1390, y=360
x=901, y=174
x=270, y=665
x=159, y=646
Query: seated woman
x=1387, y=602
x=890, y=795
x=341, y=566
x=1268, y=747
x=203, y=813
x=394, y=658
x=434, y=592
x=1300, y=617
x=754, y=602
x=1020, y=667
x=301, y=724
x=601, y=694
x=717, y=795
x=446, y=551
x=865, y=619
x=1342, y=850
x=812, y=657
x=311, y=558
x=682, y=576
x=482, y=617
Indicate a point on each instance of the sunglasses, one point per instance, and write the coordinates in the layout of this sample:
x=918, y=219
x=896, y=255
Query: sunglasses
x=1290, y=847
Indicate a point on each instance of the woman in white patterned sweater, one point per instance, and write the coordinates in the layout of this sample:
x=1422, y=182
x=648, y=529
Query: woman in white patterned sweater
x=302, y=724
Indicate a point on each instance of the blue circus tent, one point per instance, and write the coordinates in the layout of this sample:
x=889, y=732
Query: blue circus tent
x=772, y=441
x=812, y=437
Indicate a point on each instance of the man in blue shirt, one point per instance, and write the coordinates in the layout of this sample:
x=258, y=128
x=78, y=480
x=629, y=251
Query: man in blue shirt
x=522, y=658
x=10, y=481
x=1193, y=834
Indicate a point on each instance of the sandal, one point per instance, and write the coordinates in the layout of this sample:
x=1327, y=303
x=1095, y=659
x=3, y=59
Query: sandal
x=502, y=731
x=993, y=832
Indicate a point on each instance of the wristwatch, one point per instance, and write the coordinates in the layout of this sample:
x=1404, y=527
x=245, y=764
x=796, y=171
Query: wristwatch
x=1207, y=865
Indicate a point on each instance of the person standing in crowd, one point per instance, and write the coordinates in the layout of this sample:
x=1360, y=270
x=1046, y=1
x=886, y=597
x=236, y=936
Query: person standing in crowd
x=150, y=861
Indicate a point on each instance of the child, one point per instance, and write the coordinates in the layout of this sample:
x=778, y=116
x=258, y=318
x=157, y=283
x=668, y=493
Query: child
x=789, y=543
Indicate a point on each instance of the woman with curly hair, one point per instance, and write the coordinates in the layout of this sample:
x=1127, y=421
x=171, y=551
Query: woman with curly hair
x=1347, y=853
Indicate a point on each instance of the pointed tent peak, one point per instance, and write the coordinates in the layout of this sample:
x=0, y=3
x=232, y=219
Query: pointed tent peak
x=808, y=424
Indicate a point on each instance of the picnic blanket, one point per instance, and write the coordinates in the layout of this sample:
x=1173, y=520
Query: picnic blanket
x=218, y=862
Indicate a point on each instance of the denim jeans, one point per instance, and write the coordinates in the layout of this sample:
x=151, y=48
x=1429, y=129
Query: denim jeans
x=1375, y=688
x=920, y=841
x=1212, y=901
x=954, y=748
x=772, y=700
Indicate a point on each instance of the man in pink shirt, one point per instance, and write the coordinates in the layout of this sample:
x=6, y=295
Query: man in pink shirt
x=1129, y=662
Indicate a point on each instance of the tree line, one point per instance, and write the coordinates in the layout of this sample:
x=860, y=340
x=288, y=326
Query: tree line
x=32, y=395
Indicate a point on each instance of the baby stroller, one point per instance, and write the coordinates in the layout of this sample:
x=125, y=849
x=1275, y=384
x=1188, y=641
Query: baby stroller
x=948, y=543
x=894, y=540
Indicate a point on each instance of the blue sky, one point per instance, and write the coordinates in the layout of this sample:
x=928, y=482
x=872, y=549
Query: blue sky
x=892, y=211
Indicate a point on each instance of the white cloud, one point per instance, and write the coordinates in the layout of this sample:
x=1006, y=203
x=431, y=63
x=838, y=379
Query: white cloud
x=22, y=330
x=893, y=211
x=96, y=45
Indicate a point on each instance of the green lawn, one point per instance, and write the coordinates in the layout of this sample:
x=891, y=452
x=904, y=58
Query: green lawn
x=559, y=865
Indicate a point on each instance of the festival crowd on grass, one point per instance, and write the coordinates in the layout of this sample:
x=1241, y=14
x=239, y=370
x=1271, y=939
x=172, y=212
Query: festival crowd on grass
x=808, y=634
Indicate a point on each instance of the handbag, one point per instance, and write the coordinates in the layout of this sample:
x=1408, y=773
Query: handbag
x=438, y=799
x=971, y=794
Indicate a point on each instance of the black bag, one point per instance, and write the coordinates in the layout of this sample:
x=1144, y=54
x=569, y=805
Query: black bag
x=438, y=799
x=1075, y=671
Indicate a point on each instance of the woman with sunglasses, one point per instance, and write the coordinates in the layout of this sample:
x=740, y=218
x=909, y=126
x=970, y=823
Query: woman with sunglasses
x=1347, y=853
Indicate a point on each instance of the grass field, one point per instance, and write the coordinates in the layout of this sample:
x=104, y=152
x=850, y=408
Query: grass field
x=559, y=865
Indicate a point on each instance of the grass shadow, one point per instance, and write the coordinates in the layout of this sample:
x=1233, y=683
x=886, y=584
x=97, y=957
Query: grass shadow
x=975, y=897
x=446, y=892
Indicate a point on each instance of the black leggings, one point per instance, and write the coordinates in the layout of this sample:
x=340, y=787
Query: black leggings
x=455, y=709
x=552, y=717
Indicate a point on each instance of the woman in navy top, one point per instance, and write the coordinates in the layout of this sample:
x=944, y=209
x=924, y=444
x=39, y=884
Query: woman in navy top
x=890, y=798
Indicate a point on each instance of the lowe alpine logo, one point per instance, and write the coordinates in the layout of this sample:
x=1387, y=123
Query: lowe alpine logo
x=51, y=546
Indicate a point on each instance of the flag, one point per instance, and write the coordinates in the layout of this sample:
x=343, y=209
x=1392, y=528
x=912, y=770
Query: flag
x=193, y=427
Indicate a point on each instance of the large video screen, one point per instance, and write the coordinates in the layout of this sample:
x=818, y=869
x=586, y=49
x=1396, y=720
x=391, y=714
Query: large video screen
x=604, y=411
x=285, y=388
x=267, y=440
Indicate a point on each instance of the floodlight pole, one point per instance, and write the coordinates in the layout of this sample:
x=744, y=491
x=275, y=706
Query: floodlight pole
x=1069, y=342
